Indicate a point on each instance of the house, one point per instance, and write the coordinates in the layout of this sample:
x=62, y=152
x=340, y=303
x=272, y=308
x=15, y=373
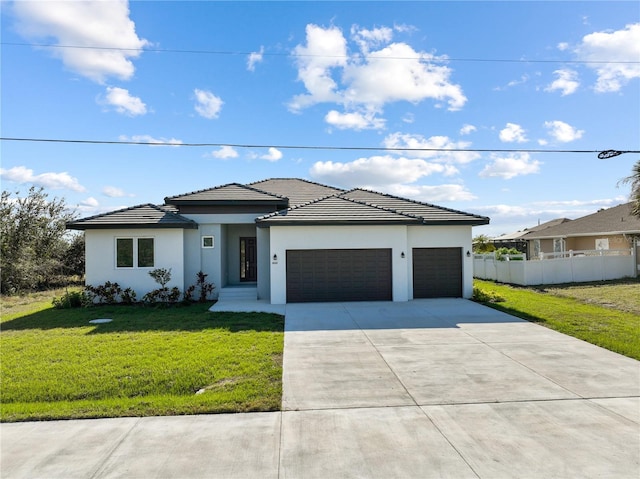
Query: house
x=608, y=229
x=292, y=240
x=517, y=240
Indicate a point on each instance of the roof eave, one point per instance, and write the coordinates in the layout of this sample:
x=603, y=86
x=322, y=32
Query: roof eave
x=113, y=226
x=178, y=202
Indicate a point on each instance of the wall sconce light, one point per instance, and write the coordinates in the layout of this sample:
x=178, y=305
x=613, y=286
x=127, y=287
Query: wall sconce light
x=402, y=254
x=468, y=254
x=275, y=257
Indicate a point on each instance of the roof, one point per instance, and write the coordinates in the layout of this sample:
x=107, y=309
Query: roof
x=519, y=234
x=615, y=220
x=298, y=191
x=232, y=193
x=336, y=210
x=428, y=213
x=141, y=216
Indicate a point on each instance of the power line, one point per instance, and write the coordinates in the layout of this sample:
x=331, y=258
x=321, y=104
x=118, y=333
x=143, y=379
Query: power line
x=296, y=55
x=602, y=154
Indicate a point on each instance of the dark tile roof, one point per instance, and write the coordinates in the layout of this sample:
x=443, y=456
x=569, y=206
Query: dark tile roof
x=232, y=193
x=141, y=216
x=335, y=210
x=615, y=220
x=430, y=214
x=297, y=190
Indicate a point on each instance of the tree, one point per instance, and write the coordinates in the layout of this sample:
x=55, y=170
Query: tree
x=32, y=240
x=634, y=181
x=483, y=244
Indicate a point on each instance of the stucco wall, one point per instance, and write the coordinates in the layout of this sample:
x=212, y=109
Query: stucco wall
x=401, y=239
x=101, y=258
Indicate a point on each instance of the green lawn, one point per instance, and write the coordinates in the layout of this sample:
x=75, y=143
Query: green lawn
x=609, y=327
x=54, y=364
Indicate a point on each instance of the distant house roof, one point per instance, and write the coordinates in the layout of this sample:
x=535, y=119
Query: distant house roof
x=615, y=220
x=141, y=216
x=519, y=235
x=368, y=207
x=229, y=194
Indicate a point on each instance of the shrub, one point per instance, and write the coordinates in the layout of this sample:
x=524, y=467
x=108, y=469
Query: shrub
x=501, y=254
x=70, y=299
x=205, y=288
x=482, y=296
x=108, y=292
x=128, y=296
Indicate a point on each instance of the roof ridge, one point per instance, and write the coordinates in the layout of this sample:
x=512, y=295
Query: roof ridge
x=226, y=185
x=252, y=188
x=423, y=203
x=295, y=207
x=128, y=208
x=388, y=210
x=299, y=179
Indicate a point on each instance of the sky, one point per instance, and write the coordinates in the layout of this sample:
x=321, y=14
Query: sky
x=372, y=94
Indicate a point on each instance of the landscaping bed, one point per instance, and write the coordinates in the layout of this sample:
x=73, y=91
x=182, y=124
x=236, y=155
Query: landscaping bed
x=147, y=361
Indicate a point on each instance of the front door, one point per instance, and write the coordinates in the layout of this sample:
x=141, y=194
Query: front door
x=248, y=259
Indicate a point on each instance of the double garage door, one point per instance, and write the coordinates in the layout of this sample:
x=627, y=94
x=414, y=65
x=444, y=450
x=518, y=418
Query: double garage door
x=366, y=274
x=339, y=275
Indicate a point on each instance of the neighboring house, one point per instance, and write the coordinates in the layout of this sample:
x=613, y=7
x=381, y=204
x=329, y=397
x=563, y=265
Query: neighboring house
x=609, y=229
x=517, y=240
x=292, y=240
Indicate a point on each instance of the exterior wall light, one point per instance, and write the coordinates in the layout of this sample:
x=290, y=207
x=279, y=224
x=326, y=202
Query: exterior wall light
x=275, y=257
x=402, y=254
x=468, y=254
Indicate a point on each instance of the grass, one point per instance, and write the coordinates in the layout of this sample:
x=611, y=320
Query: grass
x=54, y=364
x=571, y=310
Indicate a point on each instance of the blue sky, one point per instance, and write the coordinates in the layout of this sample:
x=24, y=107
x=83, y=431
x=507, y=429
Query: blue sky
x=434, y=75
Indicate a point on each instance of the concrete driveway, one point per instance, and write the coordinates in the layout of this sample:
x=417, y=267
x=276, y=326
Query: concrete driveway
x=428, y=388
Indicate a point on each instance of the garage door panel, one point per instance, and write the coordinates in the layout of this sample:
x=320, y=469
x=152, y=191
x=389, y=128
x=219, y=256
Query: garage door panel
x=437, y=272
x=339, y=275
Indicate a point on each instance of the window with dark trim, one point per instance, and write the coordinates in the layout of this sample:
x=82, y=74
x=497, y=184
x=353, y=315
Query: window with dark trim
x=138, y=252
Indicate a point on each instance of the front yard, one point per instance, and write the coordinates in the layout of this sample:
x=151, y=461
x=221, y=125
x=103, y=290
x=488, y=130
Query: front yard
x=605, y=314
x=148, y=361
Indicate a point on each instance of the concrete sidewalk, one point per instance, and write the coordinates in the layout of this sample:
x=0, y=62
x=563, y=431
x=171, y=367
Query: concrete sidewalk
x=429, y=388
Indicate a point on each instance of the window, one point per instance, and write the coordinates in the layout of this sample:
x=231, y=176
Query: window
x=139, y=252
x=207, y=241
x=602, y=243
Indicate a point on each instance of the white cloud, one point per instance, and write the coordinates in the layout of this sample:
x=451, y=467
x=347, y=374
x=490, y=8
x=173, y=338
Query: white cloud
x=621, y=46
x=408, y=118
x=151, y=139
x=224, y=153
x=84, y=23
x=273, y=155
x=354, y=120
x=124, y=103
x=207, y=104
x=367, y=39
x=432, y=193
x=56, y=181
x=567, y=82
x=114, y=192
x=562, y=131
x=90, y=202
x=467, y=129
x=562, y=46
x=508, y=167
x=253, y=58
x=371, y=78
x=376, y=171
x=513, y=132
x=431, y=148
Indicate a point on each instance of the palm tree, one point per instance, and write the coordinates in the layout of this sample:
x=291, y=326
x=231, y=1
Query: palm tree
x=634, y=180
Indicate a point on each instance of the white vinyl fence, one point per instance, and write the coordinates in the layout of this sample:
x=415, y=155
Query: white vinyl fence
x=556, y=268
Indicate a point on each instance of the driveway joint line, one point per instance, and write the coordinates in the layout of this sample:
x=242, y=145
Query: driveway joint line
x=382, y=357
x=109, y=454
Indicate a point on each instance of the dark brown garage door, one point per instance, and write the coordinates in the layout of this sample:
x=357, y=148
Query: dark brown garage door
x=338, y=275
x=437, y=272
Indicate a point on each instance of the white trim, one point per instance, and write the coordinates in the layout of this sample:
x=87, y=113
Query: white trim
x=206, y=237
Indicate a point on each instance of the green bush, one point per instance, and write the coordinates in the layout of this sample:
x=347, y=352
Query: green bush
x=70, y=299
x=501, y=254
x=482, y=296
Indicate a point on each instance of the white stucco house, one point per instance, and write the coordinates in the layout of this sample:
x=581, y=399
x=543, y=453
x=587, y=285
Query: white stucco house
x=289, y=239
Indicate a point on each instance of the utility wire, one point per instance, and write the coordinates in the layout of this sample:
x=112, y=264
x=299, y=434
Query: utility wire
x=602, y=154
x=295, y=55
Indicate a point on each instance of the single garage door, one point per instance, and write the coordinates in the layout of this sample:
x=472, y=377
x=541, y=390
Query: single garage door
x=338, y=275
x=437, y=272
